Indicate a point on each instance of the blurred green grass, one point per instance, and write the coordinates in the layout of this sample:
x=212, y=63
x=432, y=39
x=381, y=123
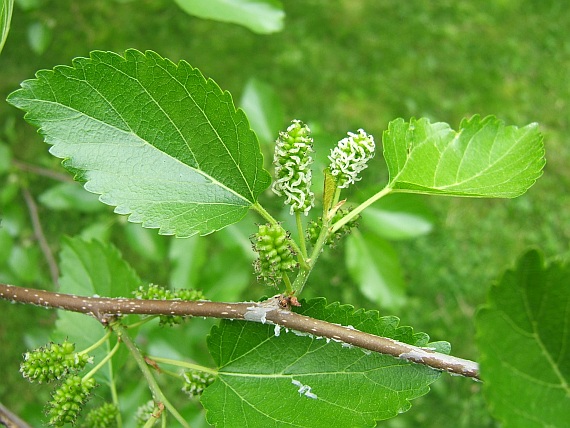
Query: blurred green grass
x=340, y=66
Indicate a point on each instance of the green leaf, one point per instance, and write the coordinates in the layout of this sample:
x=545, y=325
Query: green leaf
x=147, y=245
x=153, y=138
x=70, y=196
x=523, y=337
x=25, y=262
x=260, y=16
x=91, y=268
x=303, y=381
x=398, y=216
x=374, y=265
x=329, y=189
x=484, y=158
x=6, y=8
x=264, y=109
x=39, y=37
x=187, y=257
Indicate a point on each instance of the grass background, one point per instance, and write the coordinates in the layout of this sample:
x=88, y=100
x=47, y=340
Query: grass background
x=338, y=65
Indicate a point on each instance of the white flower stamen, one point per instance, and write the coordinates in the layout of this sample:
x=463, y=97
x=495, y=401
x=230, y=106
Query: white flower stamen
x=292, y=162
x=350, y=157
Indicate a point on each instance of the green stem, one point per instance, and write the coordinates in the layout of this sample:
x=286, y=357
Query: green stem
x=335, y=199
x=171, y=373
x=184, y=364
x=300, y=280
x=150, y=422
x=287, y=282
x=113, y=388
x=301, y=234
x=102, y=362
x=96, y=344
x=386, y=190
x=257, y=207
x=303, y=275
x=157, y=394
x=141, y=322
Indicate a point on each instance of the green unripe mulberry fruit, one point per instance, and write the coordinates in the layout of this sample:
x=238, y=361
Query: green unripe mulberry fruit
x=102, y=417
x=195, y=382
x=157, y=292
x=68, y=400
x=276, y=256
x=314, y=228
x=52, y=362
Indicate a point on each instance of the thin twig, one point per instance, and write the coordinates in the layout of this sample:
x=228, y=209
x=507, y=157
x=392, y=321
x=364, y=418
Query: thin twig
x=273, y=311
x=157, y=395
x=54, y=175
x=39, y=233
x=10, y=420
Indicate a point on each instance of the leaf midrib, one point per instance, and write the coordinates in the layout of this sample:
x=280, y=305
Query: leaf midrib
x=471, y=178
x=209, y=177
x=542, y=346
x=211, y=126
x=174, y=79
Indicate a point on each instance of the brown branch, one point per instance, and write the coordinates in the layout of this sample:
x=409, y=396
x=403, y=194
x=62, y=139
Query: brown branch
x=10, y=420
x=273, y=311
x=39, y=233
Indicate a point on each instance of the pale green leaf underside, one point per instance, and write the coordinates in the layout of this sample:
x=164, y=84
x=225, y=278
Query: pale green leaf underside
x=524, y=341
x=153, y=138
x=484, y=158
x=260, y=16
x=264, y=380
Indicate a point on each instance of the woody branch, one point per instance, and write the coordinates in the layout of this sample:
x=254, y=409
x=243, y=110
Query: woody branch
x=272, y=311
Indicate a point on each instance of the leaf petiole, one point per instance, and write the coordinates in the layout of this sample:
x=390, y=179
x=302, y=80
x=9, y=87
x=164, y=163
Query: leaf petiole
x=184, y=364
x=301, y=234
x=102, y=362
x=97, y=344
x=385, y=191
x=287, y=282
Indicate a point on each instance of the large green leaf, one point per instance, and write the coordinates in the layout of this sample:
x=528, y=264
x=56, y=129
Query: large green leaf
x=260, y=16
x=524, y=337
x=153, y=138
x=70, y=196
x=91, y=268
x=484, y=158
x=399, y=216
x=374, y=265
x=303, y=381
x=6, y=8
x=264, y=110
